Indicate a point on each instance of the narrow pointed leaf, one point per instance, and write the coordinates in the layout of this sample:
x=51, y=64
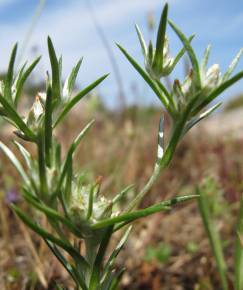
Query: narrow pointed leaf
x=158, y=58
x=216, y=92
x=14, y=161
x=232, y=66
x=205, y=59
x=23, y=78
x=13, y=115
x=119, y=196
x=63, y=261
x=46, y=235
x=111, y=260
x=51, y=213
x=71, y=150
x=180, y=54
x=9, y=77
x=202, y=116
x=70, y=81
x=77, y=98
x=56, y=82
x=141, y=40
x=96, y=271
x=131, y=216
x=68, y=185
x=24, y=153
x=91, y=201
x=190, y=52
x=213, y=236
x=147, y=78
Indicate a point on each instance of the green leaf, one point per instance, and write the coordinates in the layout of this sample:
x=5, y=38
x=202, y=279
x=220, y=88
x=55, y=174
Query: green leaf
x=77, y=98
x=118, y=248
x=15, y=162
x=147, y=78
x=119, y=196
x=213, y=237
x=50, y=213
x=70, y=81
x=180, y=54
x=9, y=77
x=131, y=216
x=232, y=66
x=24, y=153
x=202, y=116
x=205, y=59
x=68, y=185
x=216, y=92
x=158, y=58
x=91, y=201
x=13, y=115
x=69, y=268
x=48, y=125
x=45, y=235
x=97, y=267
x=141, y=40
x=56, y=82
x=23, y=77
x=68, y=158
x=190, y=52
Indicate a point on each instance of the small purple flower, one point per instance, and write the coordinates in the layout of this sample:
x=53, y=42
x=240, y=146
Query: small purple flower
x=12, y=196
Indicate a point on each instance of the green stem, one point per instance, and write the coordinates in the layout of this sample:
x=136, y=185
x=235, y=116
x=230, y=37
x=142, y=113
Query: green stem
x=41, y=164
x=174, y=140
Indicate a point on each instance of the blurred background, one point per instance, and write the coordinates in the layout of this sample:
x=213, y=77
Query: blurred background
x=166, y=251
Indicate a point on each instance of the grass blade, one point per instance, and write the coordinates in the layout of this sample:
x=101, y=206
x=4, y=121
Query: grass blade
x=213, y=237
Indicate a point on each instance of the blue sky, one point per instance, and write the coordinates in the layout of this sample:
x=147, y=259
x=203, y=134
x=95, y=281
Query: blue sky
x=219, y=22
